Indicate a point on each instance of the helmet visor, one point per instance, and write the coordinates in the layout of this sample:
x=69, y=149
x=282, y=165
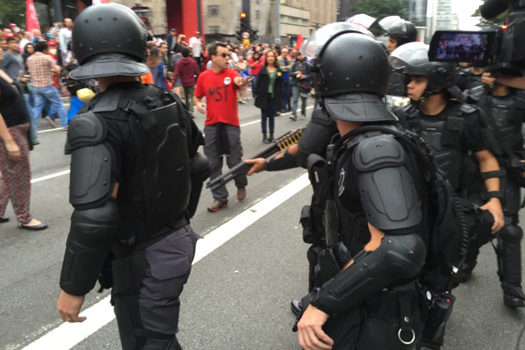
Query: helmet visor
x=361, y=19
x=388, y=22
x=411, y=55
x=315, y=44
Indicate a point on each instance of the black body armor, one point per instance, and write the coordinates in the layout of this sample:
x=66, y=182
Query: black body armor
x=471, y=86
x=150, y=202
x=444, y=136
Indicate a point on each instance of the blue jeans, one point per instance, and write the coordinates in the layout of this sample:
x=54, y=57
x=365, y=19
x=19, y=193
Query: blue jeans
x=296, y=93
x=48, y=95
x=268, y=113
x=286, y=93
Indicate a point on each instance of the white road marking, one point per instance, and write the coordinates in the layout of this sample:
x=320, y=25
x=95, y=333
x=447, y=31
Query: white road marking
x=50, y=130
x=66, y=172
x=50, y=176
x=67, y=335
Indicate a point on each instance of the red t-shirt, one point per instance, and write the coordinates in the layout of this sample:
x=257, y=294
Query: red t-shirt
x=221, y=96
x=255, y=69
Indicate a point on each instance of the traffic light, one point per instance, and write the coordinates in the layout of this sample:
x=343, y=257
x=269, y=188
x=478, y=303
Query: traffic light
x=244, y=21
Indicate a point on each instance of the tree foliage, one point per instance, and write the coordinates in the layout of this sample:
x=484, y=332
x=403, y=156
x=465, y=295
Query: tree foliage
x=382, y=8
x=12, y=11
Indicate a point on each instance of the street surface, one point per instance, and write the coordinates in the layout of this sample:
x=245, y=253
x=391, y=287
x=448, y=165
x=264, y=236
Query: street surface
x=250, y=265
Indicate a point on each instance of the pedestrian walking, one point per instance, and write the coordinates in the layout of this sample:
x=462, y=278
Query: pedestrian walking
x=188, y=71
x=41, y=68
x=15, y=181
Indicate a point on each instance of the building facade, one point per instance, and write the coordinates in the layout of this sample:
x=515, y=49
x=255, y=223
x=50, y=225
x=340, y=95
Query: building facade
x=295, y=17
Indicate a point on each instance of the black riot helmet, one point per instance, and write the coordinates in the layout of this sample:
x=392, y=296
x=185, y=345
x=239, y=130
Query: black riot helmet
x=401, y=30
x=412, y=60
x=109, y=40
x=351, y=72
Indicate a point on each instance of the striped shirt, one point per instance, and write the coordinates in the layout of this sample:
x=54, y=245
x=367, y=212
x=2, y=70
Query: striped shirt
x=39, y=65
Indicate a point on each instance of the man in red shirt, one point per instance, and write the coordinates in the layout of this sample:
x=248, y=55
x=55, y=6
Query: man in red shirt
x=221, y=129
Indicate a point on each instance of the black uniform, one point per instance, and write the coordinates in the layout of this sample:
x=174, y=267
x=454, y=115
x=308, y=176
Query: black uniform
x=470, y=84
x=507, y=116
x=135, y=181
x=365, y=179
x=146, y=227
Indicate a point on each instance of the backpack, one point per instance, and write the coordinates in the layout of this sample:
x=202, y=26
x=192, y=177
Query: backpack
x=444, y=228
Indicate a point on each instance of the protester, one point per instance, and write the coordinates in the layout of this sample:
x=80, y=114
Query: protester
x=222, y=133
x=255, y=65
x=158, y=71
x=41, y=68
x=188, y=71
x=285, y=63
x=64, y=38
x=268, y=93
x=15, y=182
x=300, y=85
x=196, y=47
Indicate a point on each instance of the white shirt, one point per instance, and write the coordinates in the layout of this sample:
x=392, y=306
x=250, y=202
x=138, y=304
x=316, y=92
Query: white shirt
x=64, y=36
x=195, y=44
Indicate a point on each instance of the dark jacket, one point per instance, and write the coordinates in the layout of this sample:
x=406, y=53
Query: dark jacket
x=188, y=70
x=261, y=89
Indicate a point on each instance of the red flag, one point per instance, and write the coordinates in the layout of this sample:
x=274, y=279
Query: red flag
x=299, y=42
x=31, y=17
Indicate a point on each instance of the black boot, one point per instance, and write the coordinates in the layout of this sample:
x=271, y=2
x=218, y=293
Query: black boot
x=271, y=139
x=265, y=139
x=509, y=265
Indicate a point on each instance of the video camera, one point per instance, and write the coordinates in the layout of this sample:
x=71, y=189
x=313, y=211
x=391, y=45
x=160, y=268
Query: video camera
x=501, y=51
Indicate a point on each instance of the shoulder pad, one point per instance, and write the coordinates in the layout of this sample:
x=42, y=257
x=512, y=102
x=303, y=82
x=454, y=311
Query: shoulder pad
x=467, y=108
x=86, y=129
x=378, y=152
x=108, y=101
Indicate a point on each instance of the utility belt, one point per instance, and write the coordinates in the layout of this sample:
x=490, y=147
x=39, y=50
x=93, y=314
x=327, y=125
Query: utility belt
x=132, y=243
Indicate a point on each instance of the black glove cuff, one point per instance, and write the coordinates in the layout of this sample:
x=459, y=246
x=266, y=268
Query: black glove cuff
x=283, y=163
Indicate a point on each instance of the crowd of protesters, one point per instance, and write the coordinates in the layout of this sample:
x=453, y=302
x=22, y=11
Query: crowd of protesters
x=37, y=68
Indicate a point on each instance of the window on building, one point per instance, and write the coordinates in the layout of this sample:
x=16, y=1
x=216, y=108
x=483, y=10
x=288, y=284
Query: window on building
x=213, y=11
x=257, y=15
x=214, y=29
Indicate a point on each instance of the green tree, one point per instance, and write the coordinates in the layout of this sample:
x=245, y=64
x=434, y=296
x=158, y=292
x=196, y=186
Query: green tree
x=12, y=11
x=382, y=8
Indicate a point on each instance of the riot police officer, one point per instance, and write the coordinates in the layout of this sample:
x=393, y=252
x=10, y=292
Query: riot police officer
x=504, y=109
x=469, y=82
x=372, y=180
x=136, y=177
x=453, y=132
x=399, y=32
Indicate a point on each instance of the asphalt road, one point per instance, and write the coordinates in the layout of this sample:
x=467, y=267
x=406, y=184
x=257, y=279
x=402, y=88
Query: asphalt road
x=237, y=296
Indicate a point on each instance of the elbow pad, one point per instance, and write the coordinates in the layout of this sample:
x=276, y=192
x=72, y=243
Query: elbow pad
x=91, y=236
x=397, y=258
